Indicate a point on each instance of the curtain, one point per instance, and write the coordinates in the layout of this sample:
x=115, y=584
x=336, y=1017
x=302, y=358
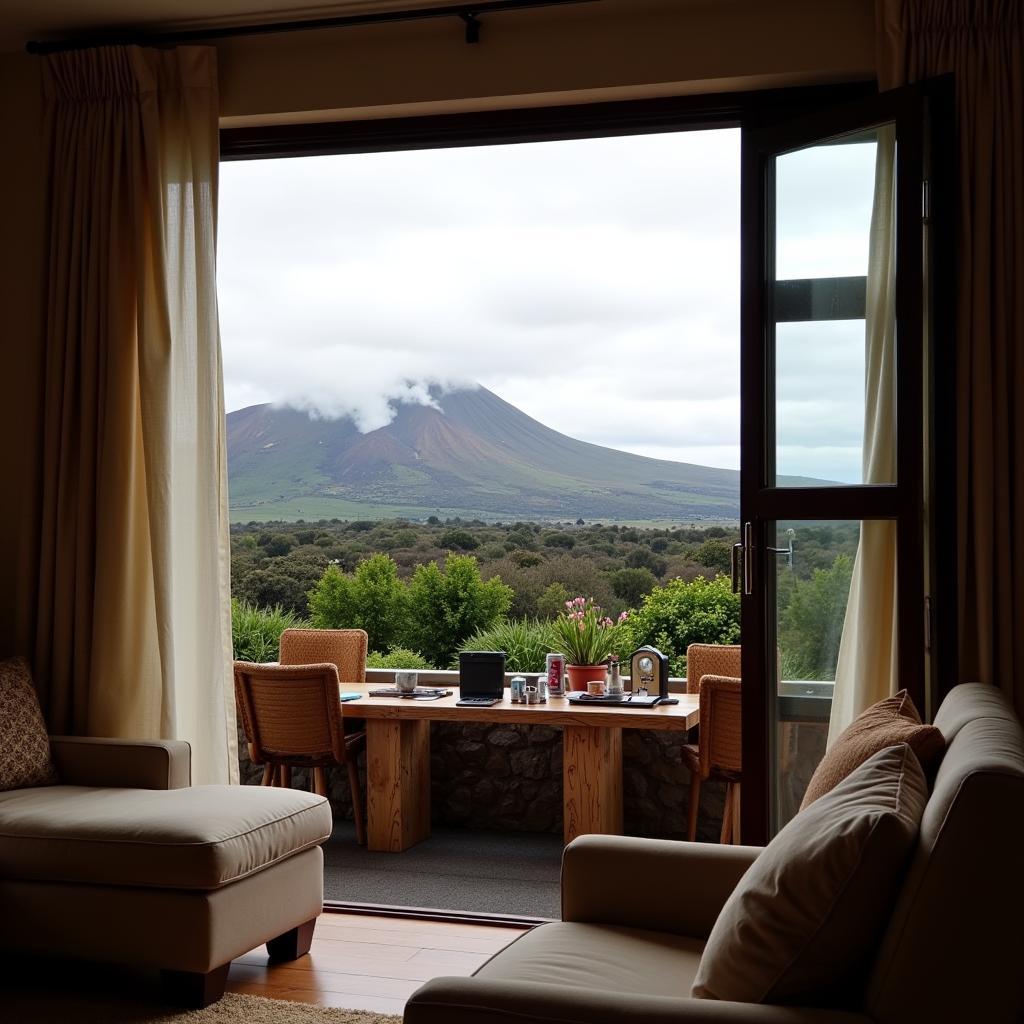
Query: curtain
x=866, y=670
x=982, y=43
x=133, y=624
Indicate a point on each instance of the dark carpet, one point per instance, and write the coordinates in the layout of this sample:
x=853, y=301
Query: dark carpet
x=480, y=872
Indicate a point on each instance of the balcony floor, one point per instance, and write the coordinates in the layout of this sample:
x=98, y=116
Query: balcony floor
x=503, y=873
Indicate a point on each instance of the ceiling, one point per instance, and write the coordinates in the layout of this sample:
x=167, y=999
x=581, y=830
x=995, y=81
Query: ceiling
x=22, y=20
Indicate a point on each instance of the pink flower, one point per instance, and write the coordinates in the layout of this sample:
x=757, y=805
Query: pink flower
x=568, y=604
x=606, y=622
x=623, y=616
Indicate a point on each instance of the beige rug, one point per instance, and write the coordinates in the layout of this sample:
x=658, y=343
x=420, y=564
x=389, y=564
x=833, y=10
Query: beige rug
x=42, y=1007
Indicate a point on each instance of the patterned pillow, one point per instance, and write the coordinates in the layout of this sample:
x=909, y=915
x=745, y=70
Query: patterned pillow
x=24, y=744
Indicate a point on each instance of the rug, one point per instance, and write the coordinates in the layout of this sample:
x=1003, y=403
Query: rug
x=43, y=1007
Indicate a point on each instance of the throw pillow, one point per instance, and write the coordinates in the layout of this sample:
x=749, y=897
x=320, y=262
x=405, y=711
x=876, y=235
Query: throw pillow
x=24, y=744
x=890, y=721
x=802, y=924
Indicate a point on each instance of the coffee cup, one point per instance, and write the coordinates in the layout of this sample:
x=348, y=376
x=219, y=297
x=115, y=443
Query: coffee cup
x=405, y=682
x=595, y=687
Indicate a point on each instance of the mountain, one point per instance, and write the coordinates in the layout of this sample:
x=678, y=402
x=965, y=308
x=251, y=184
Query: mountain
x=476, y=454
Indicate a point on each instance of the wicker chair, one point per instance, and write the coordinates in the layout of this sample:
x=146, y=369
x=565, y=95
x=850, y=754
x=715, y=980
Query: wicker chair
x=713, y=671
x=292, y=719
x=345, y=648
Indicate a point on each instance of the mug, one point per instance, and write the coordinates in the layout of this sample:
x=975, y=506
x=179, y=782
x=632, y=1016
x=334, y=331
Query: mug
x=595, y=687
x=405, y=681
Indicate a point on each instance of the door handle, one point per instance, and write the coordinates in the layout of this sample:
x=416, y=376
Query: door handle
x=748, y=559
x=737, y=554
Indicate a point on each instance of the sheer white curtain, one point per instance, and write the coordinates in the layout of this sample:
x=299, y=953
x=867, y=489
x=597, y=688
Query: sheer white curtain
x=134, y=631
x=866, y=671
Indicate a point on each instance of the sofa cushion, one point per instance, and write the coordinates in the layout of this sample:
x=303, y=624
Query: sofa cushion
x=199, y=838
x=890, y=721
x=803, y=922
x=595, y=956
x=24, y=744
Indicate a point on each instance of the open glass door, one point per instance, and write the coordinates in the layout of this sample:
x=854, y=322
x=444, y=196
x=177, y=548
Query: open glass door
x=833, y=430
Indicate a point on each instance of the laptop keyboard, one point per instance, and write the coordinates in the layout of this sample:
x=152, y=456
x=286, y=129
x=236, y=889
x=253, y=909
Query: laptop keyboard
x=478, y=702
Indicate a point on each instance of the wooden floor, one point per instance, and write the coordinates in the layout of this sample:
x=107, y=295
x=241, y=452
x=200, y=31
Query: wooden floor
x=370, y=963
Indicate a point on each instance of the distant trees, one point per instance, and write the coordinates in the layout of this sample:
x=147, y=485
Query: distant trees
x=811, y=617
x=459, y=540
x=631, y=585
x=431, y=614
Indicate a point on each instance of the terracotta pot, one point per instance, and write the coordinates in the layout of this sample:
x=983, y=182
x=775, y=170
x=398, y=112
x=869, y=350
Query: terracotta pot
x=580, y=675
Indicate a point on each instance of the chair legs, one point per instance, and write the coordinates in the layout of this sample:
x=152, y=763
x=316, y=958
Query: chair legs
x=268, y=775
x=691, y=831
x=319, y=781
x=284, y=776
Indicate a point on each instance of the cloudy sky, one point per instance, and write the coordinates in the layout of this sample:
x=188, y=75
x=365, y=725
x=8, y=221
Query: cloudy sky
x=594, y=284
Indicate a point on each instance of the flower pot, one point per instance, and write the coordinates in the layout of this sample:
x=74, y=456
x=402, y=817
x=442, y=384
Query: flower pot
x=580, y=675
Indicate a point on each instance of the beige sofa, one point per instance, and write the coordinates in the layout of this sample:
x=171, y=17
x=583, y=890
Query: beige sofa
x=628, y=948
x=125, y=862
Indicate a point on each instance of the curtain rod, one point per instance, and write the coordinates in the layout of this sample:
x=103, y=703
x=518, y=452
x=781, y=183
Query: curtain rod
x=469, y=14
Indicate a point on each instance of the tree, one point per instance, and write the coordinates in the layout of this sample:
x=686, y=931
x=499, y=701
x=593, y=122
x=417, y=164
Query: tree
x=446, y=607
x=631, y=585
x=558, y=539
x=715, y=554
x=645, y=558
x=372, y=598
x=459, y=540
x=811, y=624
x=679, y=614
x=551, y=602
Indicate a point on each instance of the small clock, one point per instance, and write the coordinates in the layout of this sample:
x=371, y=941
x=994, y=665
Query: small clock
x=649, y=671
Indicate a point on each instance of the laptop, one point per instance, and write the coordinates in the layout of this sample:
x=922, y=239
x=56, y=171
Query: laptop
x=481, y=678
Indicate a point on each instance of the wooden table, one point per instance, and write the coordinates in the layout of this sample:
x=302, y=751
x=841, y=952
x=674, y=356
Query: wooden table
x=398, y=757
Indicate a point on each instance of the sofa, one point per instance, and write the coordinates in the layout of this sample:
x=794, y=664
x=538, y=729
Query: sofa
x=637, y=914
x=123, y=861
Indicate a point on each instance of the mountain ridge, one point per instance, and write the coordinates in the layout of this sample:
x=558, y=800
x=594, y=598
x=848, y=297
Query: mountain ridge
x=475, y=452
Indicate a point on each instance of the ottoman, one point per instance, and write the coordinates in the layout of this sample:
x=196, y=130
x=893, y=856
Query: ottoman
x=124, y=862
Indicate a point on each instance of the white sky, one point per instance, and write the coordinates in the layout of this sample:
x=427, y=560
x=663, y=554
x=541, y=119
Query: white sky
x=594, y=284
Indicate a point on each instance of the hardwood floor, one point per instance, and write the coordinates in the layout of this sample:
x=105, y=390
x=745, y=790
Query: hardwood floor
x=370, y=963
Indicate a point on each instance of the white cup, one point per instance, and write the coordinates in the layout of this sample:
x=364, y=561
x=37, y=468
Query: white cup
x=405, y=681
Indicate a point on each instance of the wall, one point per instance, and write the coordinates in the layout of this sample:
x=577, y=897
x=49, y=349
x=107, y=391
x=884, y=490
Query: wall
x=612, y=49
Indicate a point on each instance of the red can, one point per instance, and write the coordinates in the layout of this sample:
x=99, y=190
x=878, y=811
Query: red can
x=556, y=675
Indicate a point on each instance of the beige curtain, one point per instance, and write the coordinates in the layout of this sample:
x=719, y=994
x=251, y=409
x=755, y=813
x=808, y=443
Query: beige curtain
x=982, y=43
x=133, y=625
x=866, y=670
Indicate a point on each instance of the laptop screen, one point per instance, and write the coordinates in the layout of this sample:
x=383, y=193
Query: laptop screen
x=482, y=673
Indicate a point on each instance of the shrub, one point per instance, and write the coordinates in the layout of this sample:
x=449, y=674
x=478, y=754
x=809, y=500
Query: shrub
x=397, y=657
x=715, y=554
x=458, y=540
x=558, y=540
x=645, y=558
x=632, y=585
x=679, y=614
x=256, y=632
x=372, y=598
x=526, y=643
x=551, y=602
x=446, y=607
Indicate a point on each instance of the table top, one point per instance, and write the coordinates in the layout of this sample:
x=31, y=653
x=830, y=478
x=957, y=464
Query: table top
x=557, y=711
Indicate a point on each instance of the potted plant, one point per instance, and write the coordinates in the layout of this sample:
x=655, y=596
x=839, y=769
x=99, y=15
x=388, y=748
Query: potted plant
x=586, y=636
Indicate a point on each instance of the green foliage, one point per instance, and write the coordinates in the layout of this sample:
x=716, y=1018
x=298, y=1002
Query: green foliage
x=680, y=613
x=526, y=643
x=632, y=585
x=372, y=598
x=558, y=539
x=645, y=558
x=585, y=635
x=525, y=559
x=458, y=540
x=256, y=632
x=551, y=602
x=276, y=544
x=446, y=607
x=397, y=657
x=715, y=554
x=811, y=620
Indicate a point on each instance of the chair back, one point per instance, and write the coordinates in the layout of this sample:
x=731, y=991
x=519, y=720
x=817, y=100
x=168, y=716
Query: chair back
x=719, y=743
x=711, y=660
x=290, y=712
x=954, y=945
x=344, y=648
